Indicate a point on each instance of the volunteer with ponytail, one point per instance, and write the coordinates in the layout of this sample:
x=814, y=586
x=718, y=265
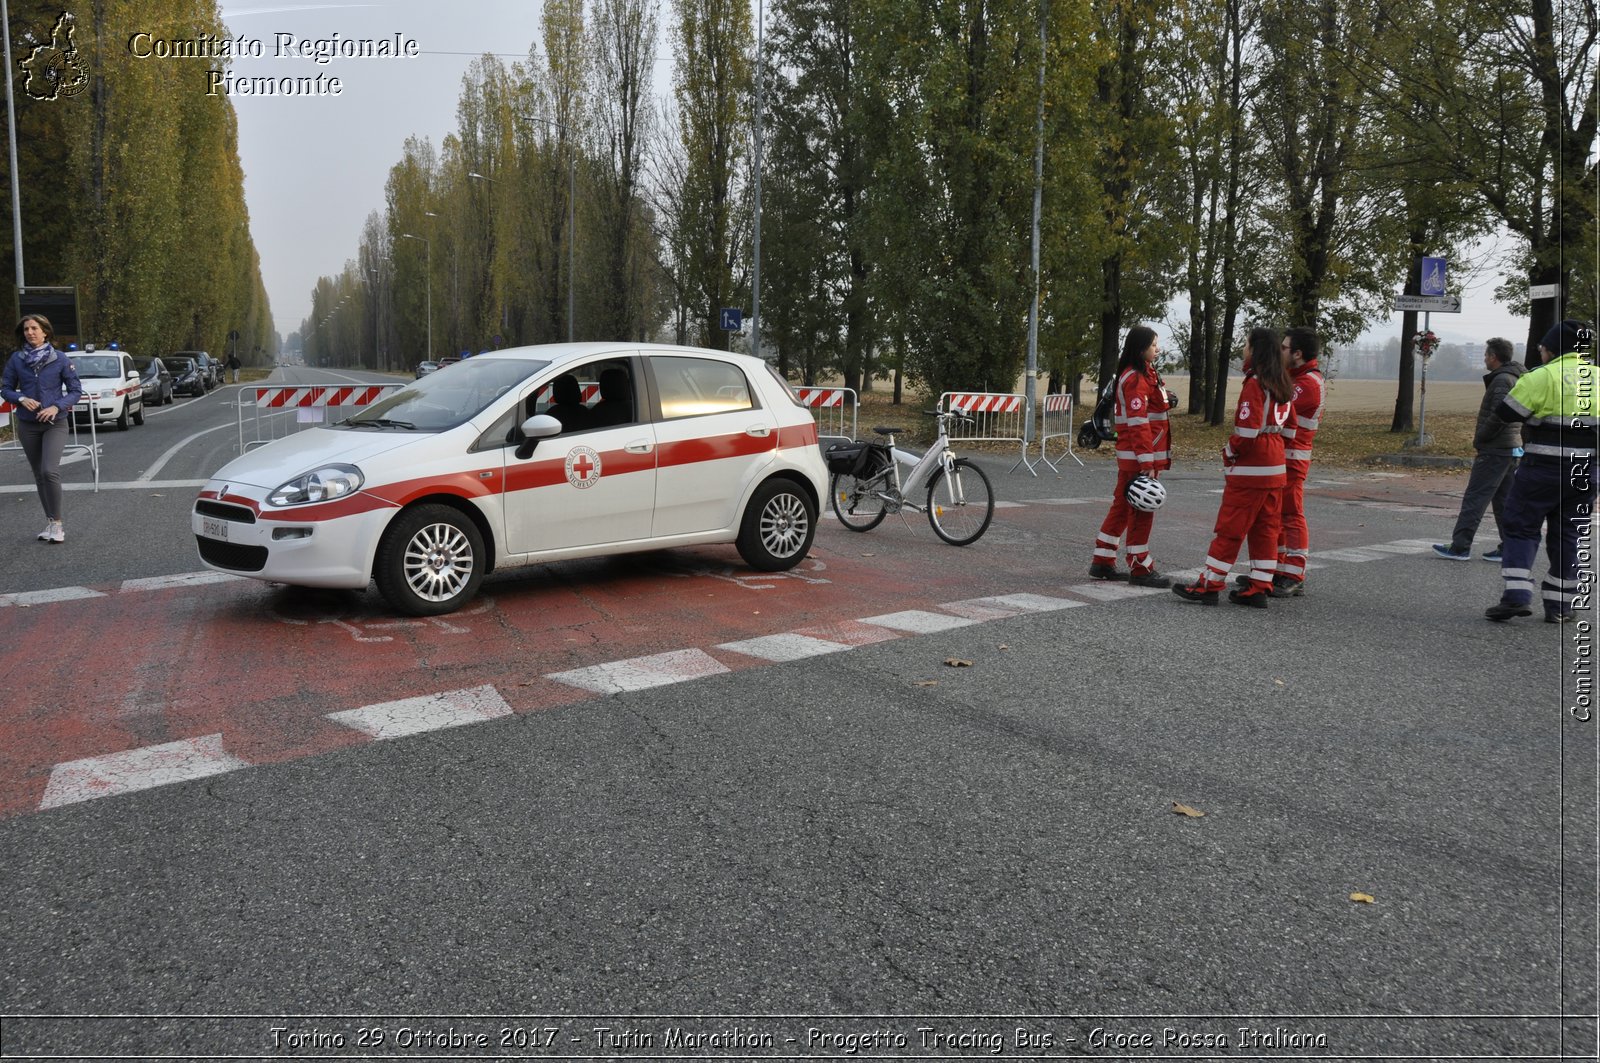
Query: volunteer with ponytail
x=1254, y=464
x=1142, y=402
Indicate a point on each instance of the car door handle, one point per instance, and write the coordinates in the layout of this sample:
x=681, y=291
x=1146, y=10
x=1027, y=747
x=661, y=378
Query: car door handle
x=639, y=446
x=760, y=431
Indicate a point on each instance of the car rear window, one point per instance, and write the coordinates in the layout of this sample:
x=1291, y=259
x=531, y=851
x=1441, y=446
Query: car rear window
x=694, y=387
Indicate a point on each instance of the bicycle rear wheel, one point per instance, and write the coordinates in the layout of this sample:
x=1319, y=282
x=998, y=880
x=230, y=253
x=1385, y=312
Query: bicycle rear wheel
x=961, y=505
x=858, y=503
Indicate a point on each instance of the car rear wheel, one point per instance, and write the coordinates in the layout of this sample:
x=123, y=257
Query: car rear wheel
x=431, y=561
x=122, y=417
x=778, y=527
x=138, y=416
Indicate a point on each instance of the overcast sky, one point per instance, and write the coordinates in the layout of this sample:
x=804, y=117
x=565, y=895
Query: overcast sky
x=315, y=166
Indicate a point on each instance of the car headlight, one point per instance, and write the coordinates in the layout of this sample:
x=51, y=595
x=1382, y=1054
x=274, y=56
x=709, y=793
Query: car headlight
x=319, y=485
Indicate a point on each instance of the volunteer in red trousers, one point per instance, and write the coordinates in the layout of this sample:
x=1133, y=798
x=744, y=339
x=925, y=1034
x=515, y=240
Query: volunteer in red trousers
x=1254, y=464
x=1294, y=538
x=1142, y=402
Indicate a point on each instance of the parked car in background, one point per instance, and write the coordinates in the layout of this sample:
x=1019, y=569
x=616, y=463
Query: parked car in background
x=209, y=366
x=424, y=368
x=187, y=379
x=505, y=461
x=113, y=390
x=157, y=380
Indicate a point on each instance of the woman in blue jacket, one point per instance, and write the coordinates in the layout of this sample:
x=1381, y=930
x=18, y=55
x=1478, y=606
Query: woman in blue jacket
x=41, y=383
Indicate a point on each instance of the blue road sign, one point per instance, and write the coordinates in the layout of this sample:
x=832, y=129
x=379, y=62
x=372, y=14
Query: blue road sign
x=1433, y=276
x=732, y=319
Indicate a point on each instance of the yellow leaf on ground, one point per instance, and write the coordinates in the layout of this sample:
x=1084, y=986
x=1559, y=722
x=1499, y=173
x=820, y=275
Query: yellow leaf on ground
x=957, y=662
x=1362, y=898
x=1179, y=809
x=927, y=682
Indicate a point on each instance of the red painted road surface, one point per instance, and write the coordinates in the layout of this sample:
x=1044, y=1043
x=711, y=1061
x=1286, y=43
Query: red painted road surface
x=264, y=666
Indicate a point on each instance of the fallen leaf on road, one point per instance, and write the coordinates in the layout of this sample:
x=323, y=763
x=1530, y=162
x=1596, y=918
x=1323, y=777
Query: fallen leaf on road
x=1179, y=809
x=1277, y=682
x=1003, y=646
x=927, y=682
x=1362, y=898
x=957, y=662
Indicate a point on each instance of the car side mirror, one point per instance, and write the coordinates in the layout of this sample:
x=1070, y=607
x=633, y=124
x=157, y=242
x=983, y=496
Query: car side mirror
x=539, y=426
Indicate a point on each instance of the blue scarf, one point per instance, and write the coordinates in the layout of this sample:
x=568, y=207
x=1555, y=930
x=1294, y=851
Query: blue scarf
x=35, y=356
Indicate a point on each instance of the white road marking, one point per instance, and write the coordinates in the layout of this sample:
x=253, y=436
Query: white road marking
x=919, y=621
x=56, y=594
x=409, y=716
x=1348, y=555
x=182, y=579
x=1109, y=591
x=138, y=769
x=642, y=673
x=1000, y=606
x=1068, y=501
x=786, y=647
x=28, y=489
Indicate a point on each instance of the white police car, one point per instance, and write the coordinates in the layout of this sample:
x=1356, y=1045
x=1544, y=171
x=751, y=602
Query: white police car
x=520, y=456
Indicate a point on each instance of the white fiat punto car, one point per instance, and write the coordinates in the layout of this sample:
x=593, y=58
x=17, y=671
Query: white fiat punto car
x=519, y=456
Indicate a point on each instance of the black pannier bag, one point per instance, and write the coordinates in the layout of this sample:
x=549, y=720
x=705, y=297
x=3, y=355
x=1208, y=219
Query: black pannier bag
x=858, y=459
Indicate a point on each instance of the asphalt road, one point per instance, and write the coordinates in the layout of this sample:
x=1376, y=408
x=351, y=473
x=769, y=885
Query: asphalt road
x=838, y=849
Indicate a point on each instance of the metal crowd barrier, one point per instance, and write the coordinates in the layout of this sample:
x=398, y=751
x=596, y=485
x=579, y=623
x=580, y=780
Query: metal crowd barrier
x=997, y=417
x=291, y=408
x=830, y=406
x=91, y=448
x=1055, y=422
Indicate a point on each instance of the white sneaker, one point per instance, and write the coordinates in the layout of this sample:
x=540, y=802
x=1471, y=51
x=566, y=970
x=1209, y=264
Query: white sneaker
x=44, y=536
x=55, y=533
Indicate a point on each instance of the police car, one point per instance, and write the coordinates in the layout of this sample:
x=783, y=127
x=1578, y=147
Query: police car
x=521, y=456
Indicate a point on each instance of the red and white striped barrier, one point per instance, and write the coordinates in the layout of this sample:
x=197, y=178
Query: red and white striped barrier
x=268, y=403
x=981, y=402
x=995, y=417
x=289, y=397
x=831, y=406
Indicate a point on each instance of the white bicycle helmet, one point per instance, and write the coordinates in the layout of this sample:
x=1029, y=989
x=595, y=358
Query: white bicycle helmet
x=1146, y=493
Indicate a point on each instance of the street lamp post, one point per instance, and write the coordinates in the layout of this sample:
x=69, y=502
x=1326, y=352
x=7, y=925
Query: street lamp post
x=11, y=129
x=572, y=200
x=377, y=308
x=429, y=244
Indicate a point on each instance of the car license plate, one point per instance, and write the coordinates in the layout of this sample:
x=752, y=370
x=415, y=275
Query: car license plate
x=212, y=528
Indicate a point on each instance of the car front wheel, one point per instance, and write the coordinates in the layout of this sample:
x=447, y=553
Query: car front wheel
x=778, y=527
x=431, y=561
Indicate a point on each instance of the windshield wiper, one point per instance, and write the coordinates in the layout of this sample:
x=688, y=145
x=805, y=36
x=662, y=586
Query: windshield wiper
x=380, y=422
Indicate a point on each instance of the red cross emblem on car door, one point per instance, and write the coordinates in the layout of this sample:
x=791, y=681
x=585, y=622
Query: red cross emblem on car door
x=583, y=467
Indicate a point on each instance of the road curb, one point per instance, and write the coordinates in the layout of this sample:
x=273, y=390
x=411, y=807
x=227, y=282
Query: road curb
x=1419, y=461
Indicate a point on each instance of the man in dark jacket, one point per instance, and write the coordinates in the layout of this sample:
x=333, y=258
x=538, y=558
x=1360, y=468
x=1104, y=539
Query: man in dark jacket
x=1498, y=444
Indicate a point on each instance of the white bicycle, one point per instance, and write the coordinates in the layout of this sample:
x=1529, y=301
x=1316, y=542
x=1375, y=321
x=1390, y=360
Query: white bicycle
x=865, y=486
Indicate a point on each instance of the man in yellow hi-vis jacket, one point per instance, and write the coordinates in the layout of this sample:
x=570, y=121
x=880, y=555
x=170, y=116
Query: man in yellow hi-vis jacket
x=1554, y=487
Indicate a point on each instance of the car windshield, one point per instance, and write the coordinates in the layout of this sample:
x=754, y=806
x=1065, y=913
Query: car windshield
x=97, y=364
x=441, y=401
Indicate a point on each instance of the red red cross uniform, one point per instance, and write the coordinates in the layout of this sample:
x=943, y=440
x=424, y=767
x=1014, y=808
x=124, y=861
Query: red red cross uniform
x=1254, y=463
x=1294, y=538
x=1143, y=436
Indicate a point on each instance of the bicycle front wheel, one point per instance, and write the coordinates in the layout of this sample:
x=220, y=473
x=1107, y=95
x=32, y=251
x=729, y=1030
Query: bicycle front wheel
x=961, y=505
x=857, y=503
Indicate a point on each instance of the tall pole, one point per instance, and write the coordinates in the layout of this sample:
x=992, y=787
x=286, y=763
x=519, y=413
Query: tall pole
x=11, y=129
x=1032, y=379
x=755, y=251
x=572, y=243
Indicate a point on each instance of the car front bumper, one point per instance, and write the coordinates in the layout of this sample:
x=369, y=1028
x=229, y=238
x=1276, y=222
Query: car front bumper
x=336, y=552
